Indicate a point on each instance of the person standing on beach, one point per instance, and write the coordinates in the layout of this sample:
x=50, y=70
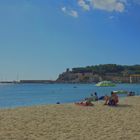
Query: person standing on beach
x=96, y=96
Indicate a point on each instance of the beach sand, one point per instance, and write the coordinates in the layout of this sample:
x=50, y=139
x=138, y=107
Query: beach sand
x=72, y=122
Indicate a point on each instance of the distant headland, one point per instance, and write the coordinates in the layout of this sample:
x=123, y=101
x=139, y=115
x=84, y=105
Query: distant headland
x=97, y=73
x=29, y=81
x=93, y=74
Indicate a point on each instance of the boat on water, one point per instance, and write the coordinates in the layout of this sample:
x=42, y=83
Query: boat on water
x=121, y=92
x=105, y=84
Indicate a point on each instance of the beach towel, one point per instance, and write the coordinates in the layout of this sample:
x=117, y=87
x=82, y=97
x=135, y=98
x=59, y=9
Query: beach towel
x=84, y=104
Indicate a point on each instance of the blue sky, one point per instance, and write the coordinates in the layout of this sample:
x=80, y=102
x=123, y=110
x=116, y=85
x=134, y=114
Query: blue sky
x=39, y=39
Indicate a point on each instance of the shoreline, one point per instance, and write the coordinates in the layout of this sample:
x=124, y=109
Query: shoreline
x=72, y=122
x=54, y=82
x=53, y=104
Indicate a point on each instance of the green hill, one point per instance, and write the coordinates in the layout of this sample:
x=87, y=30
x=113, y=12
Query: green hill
x=96, y=73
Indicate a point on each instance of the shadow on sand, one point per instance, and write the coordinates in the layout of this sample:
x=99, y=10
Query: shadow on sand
x=124, y=105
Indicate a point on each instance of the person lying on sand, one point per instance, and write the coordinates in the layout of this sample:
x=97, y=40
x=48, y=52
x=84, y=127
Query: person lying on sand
x=86, y=103
x=112, y=100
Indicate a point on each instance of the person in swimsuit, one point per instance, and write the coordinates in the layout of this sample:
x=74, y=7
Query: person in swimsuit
x=112, y=100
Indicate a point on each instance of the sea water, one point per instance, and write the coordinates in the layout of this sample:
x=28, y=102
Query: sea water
x=15, y=95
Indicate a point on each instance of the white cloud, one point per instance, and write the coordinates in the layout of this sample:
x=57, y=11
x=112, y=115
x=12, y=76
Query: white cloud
x=70, y=12
x=109, y=5
x=84, y=5
x=73, y=13
x=63, y=9
x=106, y=5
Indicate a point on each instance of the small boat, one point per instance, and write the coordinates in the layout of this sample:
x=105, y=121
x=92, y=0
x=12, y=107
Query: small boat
x=105, y=84
x=120, y=92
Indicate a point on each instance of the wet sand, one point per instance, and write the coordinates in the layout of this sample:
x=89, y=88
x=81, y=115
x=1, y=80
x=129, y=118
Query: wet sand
x=72, y=122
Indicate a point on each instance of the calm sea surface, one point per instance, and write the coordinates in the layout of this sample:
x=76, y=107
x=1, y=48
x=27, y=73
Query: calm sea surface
x=14, y=95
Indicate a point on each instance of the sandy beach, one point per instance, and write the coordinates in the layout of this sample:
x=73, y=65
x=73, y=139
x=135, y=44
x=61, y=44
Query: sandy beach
x=72, y=122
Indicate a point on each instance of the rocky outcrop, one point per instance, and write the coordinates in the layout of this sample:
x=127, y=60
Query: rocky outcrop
x=70, y=77
x=111, y=72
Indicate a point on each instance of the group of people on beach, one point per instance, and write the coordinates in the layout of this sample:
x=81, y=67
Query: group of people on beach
x=131, y=93
x=109, y=100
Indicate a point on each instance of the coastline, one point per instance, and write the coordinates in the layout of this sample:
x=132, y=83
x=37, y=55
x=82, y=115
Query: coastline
x=69, y=121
